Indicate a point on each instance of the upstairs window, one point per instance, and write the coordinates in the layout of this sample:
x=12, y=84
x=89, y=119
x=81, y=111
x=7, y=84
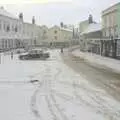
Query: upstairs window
x=55, y=37
x=16, y=29
x=0, y=25
x=55, y=31
x=12, y=27
x=8, y=28
x=44, y=32
x=4, y=26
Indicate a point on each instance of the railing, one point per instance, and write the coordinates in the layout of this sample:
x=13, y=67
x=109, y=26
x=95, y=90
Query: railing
x=104, y=47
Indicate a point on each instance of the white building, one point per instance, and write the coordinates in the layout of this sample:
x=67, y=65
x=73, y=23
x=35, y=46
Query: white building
x=111, y=21
x=90, y=35
x=15, y=33
x=31, y=34
x=90, y=38
x=111, y=30
x=10, y=30
x=43, y=35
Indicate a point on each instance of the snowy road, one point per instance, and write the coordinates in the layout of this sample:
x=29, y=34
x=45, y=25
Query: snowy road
x=61, y=94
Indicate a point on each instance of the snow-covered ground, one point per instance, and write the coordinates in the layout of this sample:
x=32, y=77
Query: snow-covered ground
x=61, y=93
x=98, y=60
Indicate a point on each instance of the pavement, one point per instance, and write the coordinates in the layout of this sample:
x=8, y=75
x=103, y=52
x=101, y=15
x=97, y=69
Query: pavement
x=98, y=60
x=61, y=92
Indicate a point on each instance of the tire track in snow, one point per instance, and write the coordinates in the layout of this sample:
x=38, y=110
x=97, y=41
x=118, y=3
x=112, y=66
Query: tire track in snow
x=52, y=103
x=98, y=104
x=64, y=117
x=33, y=103
x=104, y=108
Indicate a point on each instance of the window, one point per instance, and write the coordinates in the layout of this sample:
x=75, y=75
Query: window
x=12, y=27
x=8, y=28
x=34, y=42
x=0, y=24
x=55, y=31
x=3, y=43
x=16, y=29
x=44, y=32
x=55, y=37
x=4, y=26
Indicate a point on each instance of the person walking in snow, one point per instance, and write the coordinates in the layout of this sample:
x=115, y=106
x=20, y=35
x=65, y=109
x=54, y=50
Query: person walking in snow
x=62, y=50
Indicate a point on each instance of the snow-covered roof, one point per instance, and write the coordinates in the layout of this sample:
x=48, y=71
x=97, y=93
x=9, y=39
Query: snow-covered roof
x=94, y=27
x=65, y=29
x=55, y=27
x=3, y=12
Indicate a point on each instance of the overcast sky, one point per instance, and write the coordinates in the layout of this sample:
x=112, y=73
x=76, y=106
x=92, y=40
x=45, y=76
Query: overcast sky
x=51, y=12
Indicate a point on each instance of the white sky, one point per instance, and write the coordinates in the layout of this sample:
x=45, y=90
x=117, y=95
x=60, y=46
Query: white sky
x=52, y=12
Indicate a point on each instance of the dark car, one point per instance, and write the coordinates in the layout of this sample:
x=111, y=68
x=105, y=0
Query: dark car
x=35, y=54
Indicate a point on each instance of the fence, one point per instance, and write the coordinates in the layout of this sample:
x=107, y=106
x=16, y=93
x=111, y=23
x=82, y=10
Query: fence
x=104, y=47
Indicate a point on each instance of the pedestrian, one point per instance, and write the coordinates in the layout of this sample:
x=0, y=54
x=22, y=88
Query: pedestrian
x=11, y=55
x=61, y=50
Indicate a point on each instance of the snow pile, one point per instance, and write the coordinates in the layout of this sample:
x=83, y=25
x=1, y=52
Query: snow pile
x=99, y=61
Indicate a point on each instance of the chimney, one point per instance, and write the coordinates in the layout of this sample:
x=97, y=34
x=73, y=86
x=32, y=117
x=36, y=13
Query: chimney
x=90, y=19
x=33, y=20
x=21, y=16
x=61, y=25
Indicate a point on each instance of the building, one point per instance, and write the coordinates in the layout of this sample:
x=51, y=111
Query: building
x=59, y=36
x=66, y=36
x=15, y=33
x=10, y=30
x=43, y=35
x=91, y=38
x=90, y=35
x=111, y=30
x=84, y=24
x=111, y=21
x=31, y=35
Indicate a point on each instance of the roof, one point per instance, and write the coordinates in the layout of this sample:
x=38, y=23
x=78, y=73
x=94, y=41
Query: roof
x=94, y=27
x=66, y=29
x=84, y=22
x=112, y=6
x=44, y=27
x=55, y=27
x=3, y=12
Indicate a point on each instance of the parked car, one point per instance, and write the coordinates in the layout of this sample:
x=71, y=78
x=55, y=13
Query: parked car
x=34, y=54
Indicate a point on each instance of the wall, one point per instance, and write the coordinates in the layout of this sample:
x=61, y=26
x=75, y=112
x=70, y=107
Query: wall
x=118, y=19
